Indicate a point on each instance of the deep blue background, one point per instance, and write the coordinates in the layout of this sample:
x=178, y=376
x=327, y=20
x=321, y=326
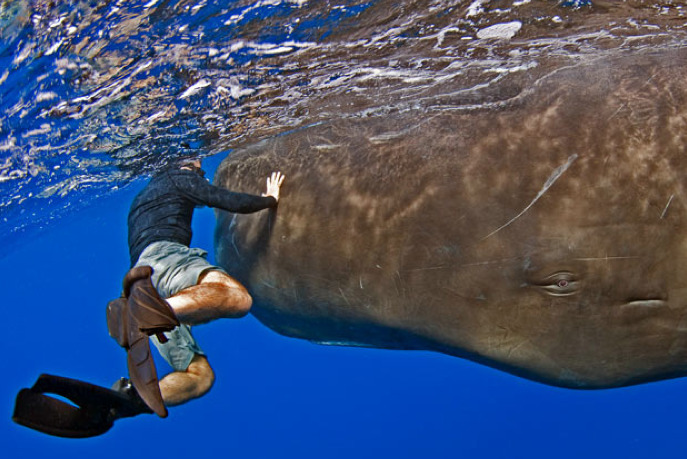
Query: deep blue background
x=277, y=397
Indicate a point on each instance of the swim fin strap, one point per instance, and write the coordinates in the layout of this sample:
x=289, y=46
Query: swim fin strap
x=93, y=413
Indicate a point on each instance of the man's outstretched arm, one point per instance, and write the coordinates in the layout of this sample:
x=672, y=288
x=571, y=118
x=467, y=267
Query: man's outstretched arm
x=204, y=193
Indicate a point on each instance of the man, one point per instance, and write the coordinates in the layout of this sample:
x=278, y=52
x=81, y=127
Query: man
x=169, y=288
x=182, y=289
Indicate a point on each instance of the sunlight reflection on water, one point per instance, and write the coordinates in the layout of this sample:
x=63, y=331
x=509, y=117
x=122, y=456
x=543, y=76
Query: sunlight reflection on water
x=96, y=94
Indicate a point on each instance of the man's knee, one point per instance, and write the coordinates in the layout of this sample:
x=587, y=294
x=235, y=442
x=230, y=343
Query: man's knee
x=181, y=386
x=244, y=303
x=214, y=276
x=202, y=372
x=235, y=297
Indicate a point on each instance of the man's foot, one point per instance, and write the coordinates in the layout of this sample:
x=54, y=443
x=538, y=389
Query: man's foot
x=135, y=405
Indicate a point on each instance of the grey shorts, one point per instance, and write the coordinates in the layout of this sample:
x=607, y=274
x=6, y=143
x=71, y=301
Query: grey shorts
x=176, y=267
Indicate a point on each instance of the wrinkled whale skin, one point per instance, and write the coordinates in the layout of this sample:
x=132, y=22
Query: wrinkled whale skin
x=543, y=234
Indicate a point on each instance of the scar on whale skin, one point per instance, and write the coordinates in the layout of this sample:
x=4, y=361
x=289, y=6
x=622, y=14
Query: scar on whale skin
x=555, y=175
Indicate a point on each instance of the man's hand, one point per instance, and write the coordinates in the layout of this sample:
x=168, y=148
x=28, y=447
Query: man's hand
x=273, y=184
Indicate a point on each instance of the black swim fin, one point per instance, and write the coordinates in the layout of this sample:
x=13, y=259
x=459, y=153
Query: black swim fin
x=93, y=413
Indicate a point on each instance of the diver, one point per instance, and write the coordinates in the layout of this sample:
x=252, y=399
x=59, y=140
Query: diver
x=176, y=282
x=169, y=288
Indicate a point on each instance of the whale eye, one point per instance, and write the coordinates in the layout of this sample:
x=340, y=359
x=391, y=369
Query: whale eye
x=562, y=283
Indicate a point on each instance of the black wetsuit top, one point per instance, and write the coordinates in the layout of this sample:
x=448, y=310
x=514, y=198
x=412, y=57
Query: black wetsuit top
x=163, y=210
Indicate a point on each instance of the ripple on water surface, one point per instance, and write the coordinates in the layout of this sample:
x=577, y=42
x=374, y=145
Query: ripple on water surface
x=96, y=94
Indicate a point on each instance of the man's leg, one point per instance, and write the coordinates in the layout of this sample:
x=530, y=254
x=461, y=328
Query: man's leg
x=216, y=295
x=181, y=386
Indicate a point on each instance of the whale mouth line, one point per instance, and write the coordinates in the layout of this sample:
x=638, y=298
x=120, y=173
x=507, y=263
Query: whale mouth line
x=647, y=303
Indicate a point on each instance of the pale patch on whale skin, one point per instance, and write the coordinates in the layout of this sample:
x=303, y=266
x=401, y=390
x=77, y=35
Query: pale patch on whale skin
x=578, y=181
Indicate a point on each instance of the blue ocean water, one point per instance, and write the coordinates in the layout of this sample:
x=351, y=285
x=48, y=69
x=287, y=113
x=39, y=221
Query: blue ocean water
x=281, y=397
x=86, y=117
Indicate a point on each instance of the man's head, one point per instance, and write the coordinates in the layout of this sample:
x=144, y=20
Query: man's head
x=192, y=165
